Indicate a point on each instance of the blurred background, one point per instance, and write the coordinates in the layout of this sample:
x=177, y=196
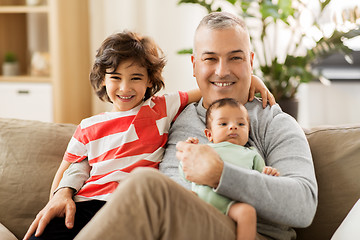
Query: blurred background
x=330, y=99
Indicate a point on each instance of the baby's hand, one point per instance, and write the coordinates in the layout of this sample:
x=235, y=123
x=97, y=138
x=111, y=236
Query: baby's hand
x=271, y=171
x=193, y=140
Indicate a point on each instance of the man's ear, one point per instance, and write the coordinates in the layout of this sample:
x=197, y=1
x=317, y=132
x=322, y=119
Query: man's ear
x=193, y=64
x=208, y=134
x=252, y=54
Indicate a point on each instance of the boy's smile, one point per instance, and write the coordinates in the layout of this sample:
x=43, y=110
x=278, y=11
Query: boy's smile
x=127, y=85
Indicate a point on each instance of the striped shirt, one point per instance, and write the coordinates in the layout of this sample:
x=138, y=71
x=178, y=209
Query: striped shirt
x=117, y=142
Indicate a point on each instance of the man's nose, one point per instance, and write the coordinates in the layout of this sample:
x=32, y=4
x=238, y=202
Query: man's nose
x=222, y=68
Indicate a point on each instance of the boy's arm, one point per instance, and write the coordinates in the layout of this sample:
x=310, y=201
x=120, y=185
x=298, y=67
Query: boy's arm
x=194, y=95
x=258, y=86
x=59, y=173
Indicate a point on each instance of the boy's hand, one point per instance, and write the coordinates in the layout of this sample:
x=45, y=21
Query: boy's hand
x=258, y=86
x=271, y=171
x=61, y=205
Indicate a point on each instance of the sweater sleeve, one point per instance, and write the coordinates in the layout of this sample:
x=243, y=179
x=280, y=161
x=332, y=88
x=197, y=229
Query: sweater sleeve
x=290, y=199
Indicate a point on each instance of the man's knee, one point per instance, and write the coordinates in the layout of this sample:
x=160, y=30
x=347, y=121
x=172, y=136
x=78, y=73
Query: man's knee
x=145, y=175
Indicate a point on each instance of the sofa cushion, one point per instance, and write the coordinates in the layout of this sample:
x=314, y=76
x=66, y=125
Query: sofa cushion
x=30, y=153
x=336, y=155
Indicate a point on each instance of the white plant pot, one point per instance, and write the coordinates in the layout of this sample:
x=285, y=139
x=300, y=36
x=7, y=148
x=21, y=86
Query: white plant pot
x=10, y=69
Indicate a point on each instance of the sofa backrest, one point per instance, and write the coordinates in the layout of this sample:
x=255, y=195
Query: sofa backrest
x=30, y=154
x=336, y=156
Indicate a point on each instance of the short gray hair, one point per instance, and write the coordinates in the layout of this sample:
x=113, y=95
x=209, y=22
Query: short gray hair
x=220, y=20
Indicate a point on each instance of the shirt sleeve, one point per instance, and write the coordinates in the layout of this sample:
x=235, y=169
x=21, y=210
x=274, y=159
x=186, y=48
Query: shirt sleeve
x=259, y=163
x=175, y=103
x=75, y=176
x=76, y=150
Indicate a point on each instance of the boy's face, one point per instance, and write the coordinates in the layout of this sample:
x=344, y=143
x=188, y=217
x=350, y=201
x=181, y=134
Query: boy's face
x=222, y=64
x=126, y=86
x=230, y=124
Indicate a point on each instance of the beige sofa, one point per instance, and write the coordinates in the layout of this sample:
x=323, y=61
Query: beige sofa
x=31, y=151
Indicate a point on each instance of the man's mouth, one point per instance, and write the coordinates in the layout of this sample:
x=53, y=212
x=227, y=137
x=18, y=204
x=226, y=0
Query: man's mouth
x=222, y=84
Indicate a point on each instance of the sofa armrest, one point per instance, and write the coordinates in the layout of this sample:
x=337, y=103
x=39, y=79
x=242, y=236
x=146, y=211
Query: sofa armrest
x=5, y=234
x=335, y=151
x=30, y=154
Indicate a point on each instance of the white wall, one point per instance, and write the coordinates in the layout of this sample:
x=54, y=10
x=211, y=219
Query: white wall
x=170, y=25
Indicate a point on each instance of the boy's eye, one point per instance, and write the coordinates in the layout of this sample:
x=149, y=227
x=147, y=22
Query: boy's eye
x=241, y=124
x=115, y=77
x=222, y=124
x=136, y=78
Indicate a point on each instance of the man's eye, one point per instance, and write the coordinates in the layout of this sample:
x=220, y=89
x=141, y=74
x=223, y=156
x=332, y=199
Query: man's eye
x=136, y=78
x=210, y=59
x=236, y=58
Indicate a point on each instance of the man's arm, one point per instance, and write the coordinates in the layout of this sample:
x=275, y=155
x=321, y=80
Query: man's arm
x=290, y=199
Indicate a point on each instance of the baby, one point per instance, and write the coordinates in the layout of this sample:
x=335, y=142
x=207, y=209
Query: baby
x=227, y=127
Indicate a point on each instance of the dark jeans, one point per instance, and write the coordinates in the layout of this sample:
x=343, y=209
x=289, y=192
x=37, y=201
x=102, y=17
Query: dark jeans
x=56, y=229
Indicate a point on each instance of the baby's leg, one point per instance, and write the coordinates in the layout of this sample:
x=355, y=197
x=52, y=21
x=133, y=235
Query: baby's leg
x=245, y=217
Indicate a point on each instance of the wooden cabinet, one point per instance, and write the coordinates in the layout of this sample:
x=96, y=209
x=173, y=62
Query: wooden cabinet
x=58, y=30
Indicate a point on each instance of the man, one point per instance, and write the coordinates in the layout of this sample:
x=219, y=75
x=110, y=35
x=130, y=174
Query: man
x=149, y=205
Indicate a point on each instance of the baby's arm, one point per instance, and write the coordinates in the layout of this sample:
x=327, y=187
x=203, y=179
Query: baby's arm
x=271, y=171
x=193, y=140
x=258, y=86
x=59, y=173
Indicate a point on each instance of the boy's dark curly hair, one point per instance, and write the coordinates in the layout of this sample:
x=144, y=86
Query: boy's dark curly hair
x=123, y=46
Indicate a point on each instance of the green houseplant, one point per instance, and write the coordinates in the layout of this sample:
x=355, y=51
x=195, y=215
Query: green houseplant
x=271, y=22
x=10, y=65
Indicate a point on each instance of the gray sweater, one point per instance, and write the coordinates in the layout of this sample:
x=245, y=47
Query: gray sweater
x=281, y=202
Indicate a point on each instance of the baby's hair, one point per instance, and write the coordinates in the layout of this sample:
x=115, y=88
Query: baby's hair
x=220, y=103
x=124, y=46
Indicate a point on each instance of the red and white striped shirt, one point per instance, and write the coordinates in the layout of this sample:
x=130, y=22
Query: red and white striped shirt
x=117, y=142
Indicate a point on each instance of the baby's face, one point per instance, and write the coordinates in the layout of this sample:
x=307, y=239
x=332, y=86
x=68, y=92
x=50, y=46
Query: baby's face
x=229, y=124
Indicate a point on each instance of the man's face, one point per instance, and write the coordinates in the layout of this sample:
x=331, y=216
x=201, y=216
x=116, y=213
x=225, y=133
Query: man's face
x=222, y=64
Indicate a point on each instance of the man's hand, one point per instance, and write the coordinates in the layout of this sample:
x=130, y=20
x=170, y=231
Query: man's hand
x=60, y=205
x=201, y=164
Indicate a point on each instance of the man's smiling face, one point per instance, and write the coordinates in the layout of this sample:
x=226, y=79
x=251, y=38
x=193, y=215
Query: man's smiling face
x=222, y=63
